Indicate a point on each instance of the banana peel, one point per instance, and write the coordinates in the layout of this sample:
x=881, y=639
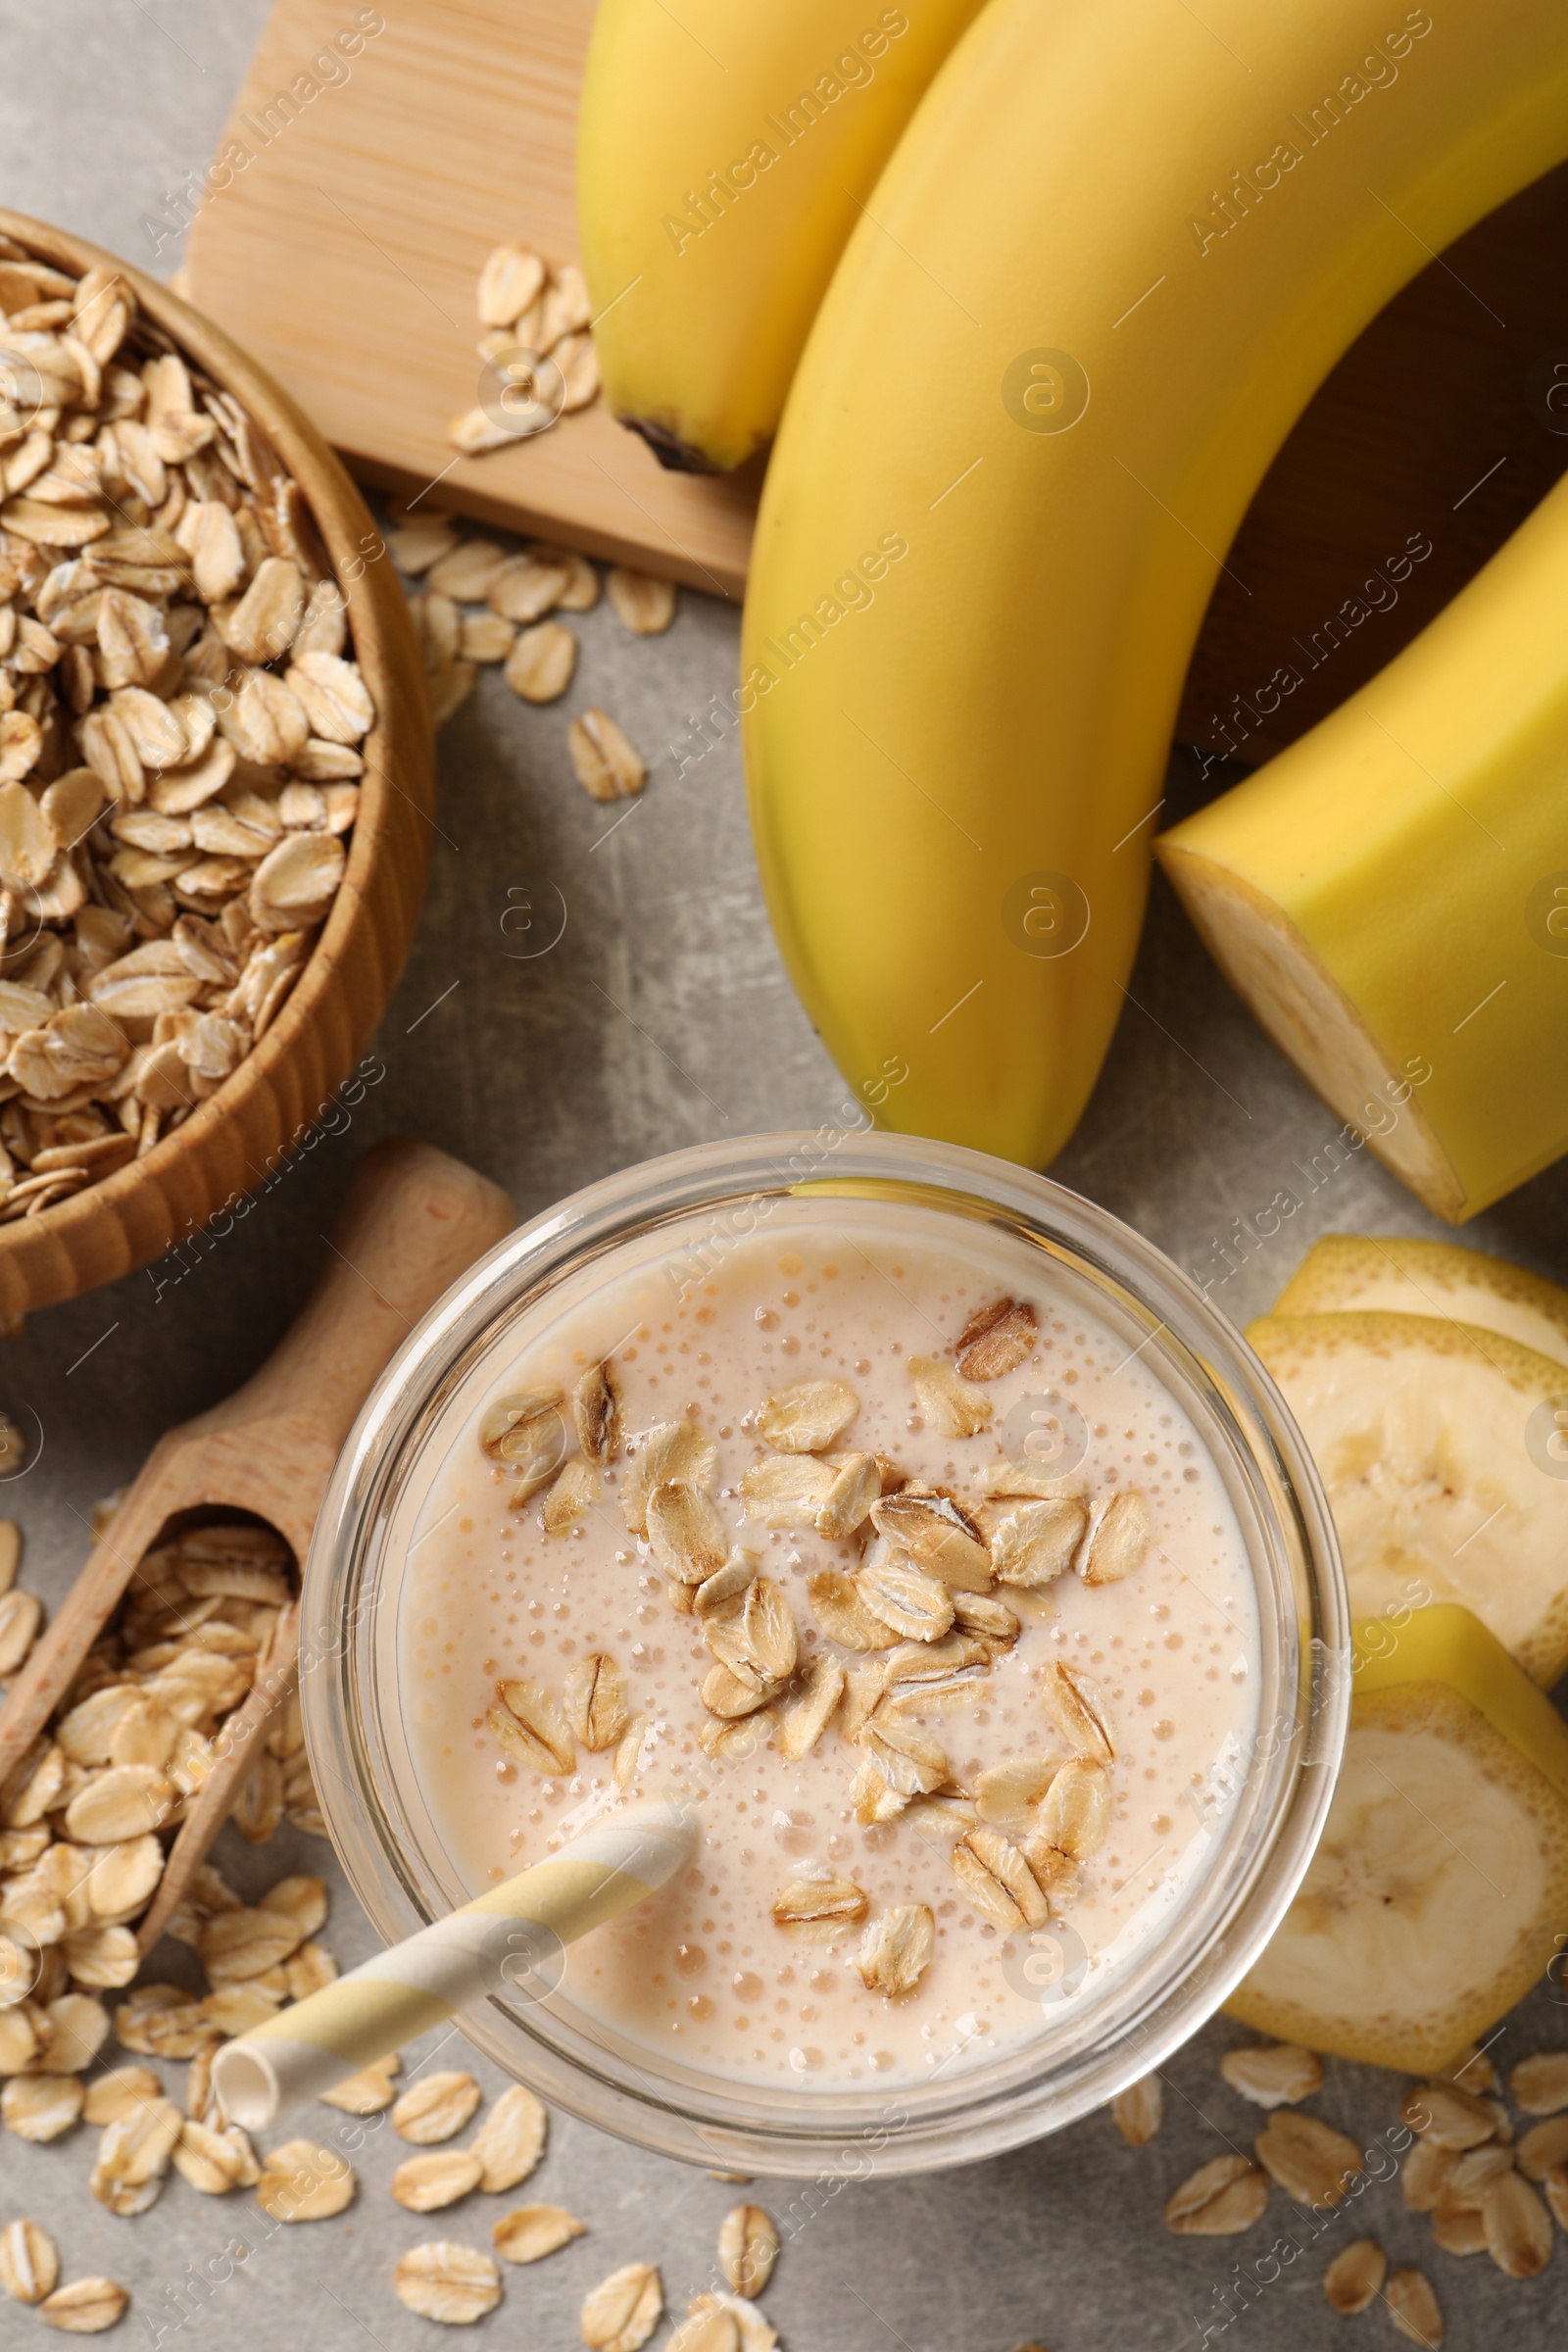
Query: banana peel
x=1439, y=1893
x=1344, y=1272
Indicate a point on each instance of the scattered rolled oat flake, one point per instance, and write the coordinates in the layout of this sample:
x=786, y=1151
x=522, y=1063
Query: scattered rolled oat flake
x=895, y=1952
x=20, y=1616
x=1517, y=2227
x=1413, y=2308
x=445, y=2282
x=1459, y=2229
x=1447, y=2116
x=133, y=2157
x=510, y=2140
x=1312, y=2162
x=704, y=2325
x=416, y=546
x=28, y=2263
x=748, y=2249
x=369, y=2092
x=1354, y=2278
x=1139, y=2111
x=302, y=2182
x=436, y=2107
x=85, y=2306
x=1542, y=2147
x=486, y=637
x=41, y=2107
x=425, y=2183
x=622, y=2310
x=1474, y=2173
x=607, y=766
x=1273, y=2075
x=539, y=667
x=1222, y=2199
x=119, y=2092
x=512, y=280
x=1555, y=2186
x=646, y=606
x=1540, y=2085
x=466, y=572
x=215, y=2158
x=714, y=2327
x=531, y=2232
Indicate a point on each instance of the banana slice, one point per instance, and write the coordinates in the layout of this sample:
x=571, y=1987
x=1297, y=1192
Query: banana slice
x=1437, y=1892
x=1443, y=1449
x=1344, y=1273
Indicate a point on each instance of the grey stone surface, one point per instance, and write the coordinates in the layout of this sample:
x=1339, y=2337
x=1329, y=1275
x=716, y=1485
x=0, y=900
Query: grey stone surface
x=662, y=1017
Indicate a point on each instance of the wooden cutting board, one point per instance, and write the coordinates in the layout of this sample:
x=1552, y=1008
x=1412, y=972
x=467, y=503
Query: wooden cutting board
x=346, y=250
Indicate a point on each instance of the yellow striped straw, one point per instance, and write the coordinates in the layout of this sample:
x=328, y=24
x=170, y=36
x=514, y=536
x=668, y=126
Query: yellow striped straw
x=507, y=1943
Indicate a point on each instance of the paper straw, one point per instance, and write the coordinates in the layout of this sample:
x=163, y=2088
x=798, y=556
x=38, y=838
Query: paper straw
x=502, y=1943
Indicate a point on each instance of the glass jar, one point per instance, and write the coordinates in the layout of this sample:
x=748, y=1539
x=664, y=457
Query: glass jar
x=1261, y=1830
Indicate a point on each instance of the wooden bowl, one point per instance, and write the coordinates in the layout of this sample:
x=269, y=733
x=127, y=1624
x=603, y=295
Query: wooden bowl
x=229, y=1142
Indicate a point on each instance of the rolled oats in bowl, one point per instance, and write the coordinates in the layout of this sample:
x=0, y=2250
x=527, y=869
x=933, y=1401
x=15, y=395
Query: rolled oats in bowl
x=181, y=724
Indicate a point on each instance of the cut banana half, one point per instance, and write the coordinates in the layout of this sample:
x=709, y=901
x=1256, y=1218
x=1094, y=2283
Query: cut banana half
x=1389, y=894
x=1439, y=1891
x=1344, y=1273
x=1443, y=1449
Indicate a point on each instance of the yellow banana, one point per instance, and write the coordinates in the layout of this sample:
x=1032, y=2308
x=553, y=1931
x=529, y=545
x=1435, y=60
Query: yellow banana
x=1391, y=894
x=725, y=151
x=1112, y=255
x=1439, y=1891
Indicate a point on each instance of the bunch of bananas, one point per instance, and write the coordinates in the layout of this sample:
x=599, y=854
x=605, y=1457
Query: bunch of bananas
x=1028, y=297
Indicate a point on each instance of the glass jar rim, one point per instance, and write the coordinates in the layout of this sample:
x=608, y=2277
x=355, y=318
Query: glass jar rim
x=1289, y=1774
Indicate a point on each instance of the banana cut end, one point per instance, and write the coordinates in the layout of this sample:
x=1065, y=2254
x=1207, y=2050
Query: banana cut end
x=1443, y=1451
x=1437, y=1894
x=1294, y=996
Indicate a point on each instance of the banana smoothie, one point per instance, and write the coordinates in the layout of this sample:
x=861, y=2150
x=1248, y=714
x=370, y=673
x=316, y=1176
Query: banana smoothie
x=861, y=1531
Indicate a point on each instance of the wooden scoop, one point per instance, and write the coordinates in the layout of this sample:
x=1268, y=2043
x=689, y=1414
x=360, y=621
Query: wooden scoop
x=413, y=1221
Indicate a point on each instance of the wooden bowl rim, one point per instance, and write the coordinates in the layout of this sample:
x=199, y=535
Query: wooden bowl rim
x=312, y=463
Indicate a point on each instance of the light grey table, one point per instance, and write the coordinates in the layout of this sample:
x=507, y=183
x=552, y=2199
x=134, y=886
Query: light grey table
x=663, y=1018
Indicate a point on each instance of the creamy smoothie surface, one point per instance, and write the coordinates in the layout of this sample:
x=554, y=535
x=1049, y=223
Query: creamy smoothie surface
x=864, y=1532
